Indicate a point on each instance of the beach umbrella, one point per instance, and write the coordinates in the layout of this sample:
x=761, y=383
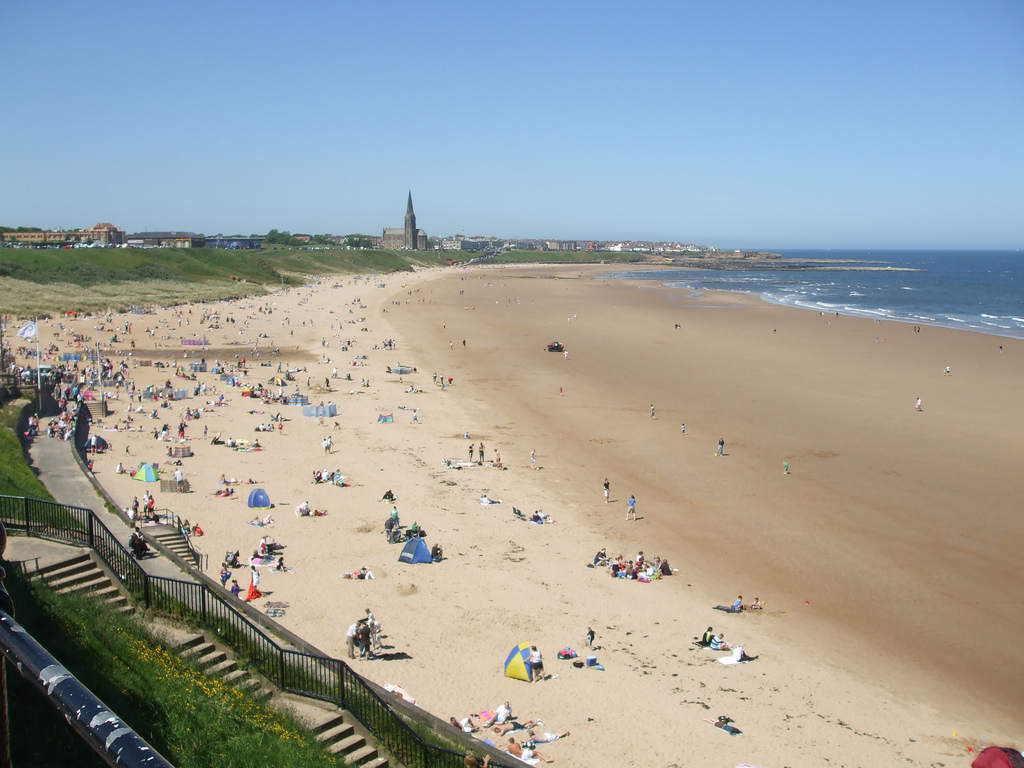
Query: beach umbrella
x=147, y=474
x=517, y=664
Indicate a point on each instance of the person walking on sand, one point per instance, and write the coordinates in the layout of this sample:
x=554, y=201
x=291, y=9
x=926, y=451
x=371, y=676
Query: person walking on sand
x=533, y=457
x=590, y=637
x=470, y=451
x=652, y=411
x=607, y=491
x=720, y=450
x=785, y=467
x=682, y=429
x=917, y=404
x=631, y=508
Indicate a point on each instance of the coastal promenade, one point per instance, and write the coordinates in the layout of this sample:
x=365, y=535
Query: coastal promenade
x=59, y=472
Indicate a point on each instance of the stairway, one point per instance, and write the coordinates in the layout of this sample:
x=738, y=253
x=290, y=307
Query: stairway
x=172, y=539
x=81, y=574
x=338, y=732
x=97, y=409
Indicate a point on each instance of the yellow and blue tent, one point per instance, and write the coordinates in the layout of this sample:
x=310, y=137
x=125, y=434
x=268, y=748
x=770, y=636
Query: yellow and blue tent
x=147, y=474
x=517, y=664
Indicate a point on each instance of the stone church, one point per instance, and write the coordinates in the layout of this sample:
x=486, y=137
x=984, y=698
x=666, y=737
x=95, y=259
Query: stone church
x=408, y=237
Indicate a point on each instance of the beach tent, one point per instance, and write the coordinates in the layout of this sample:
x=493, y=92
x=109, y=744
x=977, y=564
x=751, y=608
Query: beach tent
x=415, y=551
x=998, y=757
x=147, y=474
x=95, y=443
x=517, y=664
x=258, y=499
x=277, y=381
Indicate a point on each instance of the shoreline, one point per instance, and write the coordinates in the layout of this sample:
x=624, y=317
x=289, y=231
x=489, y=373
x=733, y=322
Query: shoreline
x=487, y=548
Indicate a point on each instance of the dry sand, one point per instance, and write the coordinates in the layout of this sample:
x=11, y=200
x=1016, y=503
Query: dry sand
x=889, y=557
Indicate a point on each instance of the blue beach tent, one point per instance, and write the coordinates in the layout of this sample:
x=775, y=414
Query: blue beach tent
x=517, y=664
x=415, y=551
x=258, y=499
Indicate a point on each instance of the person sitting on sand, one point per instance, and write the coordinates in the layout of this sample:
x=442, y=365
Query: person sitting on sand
x=389, y=496
x=500, y=715
x=756, y=605
x=516, y=750
x=601, y=558
x=718, y=643
x=705, y=639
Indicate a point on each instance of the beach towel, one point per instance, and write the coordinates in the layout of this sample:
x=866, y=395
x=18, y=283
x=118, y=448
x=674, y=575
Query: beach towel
x=527, y=760
x=728, y=609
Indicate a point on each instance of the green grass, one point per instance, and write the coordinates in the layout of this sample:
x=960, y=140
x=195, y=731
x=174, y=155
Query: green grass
x=192, y=720
x=16, y=476
x=46, y=280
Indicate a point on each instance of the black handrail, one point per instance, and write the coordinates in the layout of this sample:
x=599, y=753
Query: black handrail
x=101, y=729
x=320, y=677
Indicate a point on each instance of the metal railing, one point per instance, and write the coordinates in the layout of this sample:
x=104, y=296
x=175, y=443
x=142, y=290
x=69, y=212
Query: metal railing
x=96, y=725
x=320, y=677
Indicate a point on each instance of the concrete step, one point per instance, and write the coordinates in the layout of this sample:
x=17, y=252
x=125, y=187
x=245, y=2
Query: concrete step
x=234, y=676
x=99, y=582
x=361, y=755
x=194, y=640
x=209, y=659
x=222, y=668
x=63, y=580
x=248, y=684
x=330, y=722
x=335, y=734
x=348, y=744
x=195, y=651
x=264, y=694
x=65, y=565
x=377, y=762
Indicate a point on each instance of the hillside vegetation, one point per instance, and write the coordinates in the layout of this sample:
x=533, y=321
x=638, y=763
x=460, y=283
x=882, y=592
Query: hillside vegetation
x=47, y=280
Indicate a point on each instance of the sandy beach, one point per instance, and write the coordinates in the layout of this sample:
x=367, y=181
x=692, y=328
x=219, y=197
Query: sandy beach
x=888, y=556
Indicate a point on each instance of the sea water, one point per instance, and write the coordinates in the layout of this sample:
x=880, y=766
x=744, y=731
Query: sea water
x=980, y=291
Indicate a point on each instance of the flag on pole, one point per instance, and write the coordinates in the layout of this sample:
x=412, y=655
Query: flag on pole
x=28, y=331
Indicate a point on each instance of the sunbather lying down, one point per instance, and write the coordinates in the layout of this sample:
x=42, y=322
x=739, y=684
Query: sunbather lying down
x=485, y=500
x=739, y=656
x=362, y=573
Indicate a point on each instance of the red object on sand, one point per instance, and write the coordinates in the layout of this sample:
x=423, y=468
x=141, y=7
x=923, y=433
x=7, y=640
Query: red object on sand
x=253, y=593
x=997, y=757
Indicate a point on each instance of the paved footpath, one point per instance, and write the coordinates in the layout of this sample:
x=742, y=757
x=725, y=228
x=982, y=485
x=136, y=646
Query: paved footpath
x=60, y=473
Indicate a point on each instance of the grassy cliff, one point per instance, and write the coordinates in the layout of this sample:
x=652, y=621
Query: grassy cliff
x=36, y=280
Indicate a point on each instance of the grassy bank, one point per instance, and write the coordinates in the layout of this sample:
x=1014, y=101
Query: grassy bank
x=194, y=721
x=47, y=280
x=16, y=476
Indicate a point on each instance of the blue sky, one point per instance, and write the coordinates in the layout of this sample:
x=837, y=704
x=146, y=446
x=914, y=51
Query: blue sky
x=744, y=124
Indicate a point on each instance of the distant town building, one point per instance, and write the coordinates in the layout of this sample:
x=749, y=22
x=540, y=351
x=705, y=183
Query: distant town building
x=103, y=233
x=166, y=240
x=407, y=237
x=235, y=243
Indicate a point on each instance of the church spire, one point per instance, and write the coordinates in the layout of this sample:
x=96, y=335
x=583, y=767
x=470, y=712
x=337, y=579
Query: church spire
x=408, y=207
